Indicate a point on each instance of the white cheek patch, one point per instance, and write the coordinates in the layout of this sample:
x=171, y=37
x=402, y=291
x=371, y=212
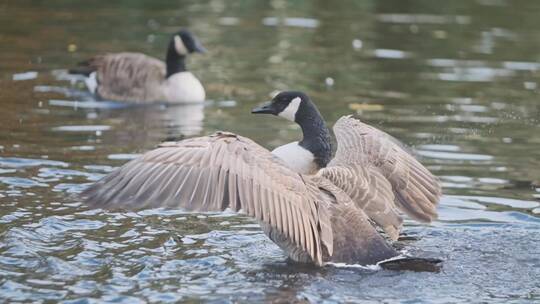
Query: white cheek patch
x=290, y=111
x=180, y=46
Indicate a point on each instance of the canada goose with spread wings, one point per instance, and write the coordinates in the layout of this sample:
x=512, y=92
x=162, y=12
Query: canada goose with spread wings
x=316, y=208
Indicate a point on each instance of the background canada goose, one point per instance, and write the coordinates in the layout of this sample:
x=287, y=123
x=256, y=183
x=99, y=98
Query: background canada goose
x=317, y=209
x=140, y=78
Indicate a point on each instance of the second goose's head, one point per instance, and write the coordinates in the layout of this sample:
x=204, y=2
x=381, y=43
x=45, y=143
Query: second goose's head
x=181, y=44
x=184, y=43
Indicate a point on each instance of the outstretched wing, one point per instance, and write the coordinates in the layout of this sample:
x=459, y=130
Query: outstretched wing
x=416, y=191
x=214, y=173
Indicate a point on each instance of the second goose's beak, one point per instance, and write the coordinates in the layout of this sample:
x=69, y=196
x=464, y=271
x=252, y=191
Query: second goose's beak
x=199, y=48
x=265, y=108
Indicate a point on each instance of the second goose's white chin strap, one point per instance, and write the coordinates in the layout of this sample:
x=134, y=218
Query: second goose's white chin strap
x=179, y=45
x=289, y=112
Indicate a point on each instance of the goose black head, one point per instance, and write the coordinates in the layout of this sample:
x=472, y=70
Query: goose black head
x=184, y=42
x=181, y=44
x=297, y=107
x=291, y=105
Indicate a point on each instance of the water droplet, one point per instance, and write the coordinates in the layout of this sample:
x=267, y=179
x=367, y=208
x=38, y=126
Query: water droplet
x=440, y=34
x=530, y=85
x=357, y=44
x=329, y=81
x=72, y=48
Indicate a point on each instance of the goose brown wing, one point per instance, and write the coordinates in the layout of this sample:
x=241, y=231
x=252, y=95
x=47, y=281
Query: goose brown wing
x=214, y=173
x=370, y=191
x=128, y=76
x=355, y=240
x=416, y=190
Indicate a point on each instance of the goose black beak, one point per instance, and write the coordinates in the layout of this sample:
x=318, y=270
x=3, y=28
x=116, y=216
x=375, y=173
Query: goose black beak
x=266, y=108
x=199, y=48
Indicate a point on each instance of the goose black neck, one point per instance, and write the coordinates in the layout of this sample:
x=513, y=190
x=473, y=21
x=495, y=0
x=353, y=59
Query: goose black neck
x=316, y=135
x=175, y=63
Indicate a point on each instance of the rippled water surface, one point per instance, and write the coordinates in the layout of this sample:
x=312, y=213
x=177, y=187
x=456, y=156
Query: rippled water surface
x=457, y=80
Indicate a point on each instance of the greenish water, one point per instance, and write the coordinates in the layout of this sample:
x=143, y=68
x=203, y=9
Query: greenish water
x=457, y=80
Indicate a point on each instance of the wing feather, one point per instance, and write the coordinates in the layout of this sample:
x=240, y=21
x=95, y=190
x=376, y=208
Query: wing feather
x=218, y=172
x=416, y=191
x=370, y=192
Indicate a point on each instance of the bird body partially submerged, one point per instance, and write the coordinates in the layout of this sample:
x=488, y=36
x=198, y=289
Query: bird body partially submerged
x=328, y=215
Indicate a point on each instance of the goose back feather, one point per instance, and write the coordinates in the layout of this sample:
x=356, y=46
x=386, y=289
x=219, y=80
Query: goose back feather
x=139, y=78
x=370, y=191
x=128, y=76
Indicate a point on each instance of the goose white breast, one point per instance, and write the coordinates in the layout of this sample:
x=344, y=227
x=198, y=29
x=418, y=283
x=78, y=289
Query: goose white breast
x=296, y=157
x=183, y=87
